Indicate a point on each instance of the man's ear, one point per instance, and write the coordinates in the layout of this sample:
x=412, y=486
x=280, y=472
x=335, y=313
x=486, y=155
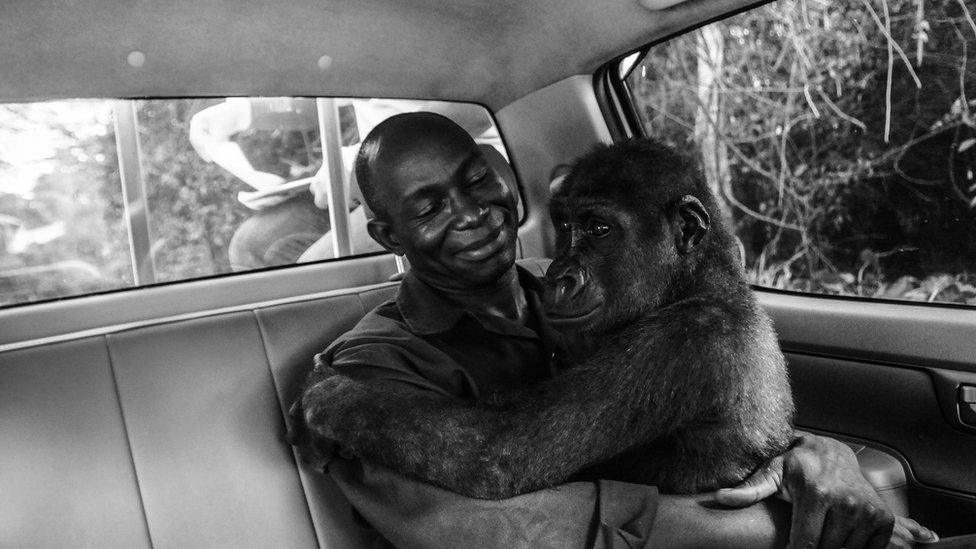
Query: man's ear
x=381, y=232
x=691, y=219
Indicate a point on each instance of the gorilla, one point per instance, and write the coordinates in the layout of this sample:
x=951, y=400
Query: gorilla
x=676, y=377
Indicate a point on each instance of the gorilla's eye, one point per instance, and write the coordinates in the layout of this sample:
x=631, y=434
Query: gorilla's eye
x=599, y=229
x=565, y=227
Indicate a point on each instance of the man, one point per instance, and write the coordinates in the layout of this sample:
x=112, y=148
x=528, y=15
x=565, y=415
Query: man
x=467, y=322
x=284, y=224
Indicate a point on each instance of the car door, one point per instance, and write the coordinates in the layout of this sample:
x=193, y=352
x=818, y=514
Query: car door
x=840, y=139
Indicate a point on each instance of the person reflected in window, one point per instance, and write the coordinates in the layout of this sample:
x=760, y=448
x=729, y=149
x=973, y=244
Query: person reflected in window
x=264, y=142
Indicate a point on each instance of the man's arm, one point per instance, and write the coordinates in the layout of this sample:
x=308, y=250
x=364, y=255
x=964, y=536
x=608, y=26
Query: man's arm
x=824, y=483
x=831, y=499
x=698, y=521
x=537, y=437
x=210, y=135
x=411, y=513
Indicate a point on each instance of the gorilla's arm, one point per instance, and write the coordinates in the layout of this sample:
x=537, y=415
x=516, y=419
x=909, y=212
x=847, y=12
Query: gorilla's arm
x=541, y=436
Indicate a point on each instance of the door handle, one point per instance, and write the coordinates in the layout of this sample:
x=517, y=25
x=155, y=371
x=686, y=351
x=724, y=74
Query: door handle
x=967, y=405
x=956, y=393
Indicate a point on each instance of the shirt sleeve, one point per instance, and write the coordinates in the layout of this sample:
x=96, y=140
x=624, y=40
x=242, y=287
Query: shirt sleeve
x=378, y=361
x=410, y=513
x=383, y=351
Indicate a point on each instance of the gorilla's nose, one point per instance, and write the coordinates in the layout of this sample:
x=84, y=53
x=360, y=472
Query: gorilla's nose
x=563, y=289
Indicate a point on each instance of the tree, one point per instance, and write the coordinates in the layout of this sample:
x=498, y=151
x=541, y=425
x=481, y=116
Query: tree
x=840, y=136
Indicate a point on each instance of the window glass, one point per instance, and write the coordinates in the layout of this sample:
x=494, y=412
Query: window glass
x=839, y=137
x=99, y=195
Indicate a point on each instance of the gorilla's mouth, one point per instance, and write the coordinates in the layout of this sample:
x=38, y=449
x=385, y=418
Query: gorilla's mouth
x=567, y=317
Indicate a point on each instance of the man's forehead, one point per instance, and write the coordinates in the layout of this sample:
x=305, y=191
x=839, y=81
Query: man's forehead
x=423, y=157
x=422, y=143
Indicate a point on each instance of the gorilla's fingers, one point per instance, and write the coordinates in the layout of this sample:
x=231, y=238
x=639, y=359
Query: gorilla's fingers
x=758, y=486
x=863, y=538
x=839, y=526
x=806, y=528
x=911, y=531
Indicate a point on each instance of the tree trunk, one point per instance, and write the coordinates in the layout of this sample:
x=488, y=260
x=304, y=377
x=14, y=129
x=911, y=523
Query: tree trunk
x=708, y=118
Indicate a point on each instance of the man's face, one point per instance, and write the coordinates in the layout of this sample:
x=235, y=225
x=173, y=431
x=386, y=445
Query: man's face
x=448, y=212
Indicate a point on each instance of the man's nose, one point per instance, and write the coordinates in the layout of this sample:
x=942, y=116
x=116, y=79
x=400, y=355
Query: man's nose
x=468, y=212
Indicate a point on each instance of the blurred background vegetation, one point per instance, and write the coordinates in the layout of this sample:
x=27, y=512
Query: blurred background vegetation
x=838, y=135
x=65, y=234
x=193, y=206
x=61, y=229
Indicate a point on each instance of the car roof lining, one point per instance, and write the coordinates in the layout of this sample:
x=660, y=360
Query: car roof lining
x=468, y=50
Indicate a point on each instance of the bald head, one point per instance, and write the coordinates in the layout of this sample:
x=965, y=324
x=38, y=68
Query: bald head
x=415, y=133
x=437, y=201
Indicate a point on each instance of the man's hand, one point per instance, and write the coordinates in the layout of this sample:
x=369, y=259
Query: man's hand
x=833, y=504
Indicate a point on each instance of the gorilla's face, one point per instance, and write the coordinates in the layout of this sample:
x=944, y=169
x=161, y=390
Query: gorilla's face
x=606, y=270
x=623, y=246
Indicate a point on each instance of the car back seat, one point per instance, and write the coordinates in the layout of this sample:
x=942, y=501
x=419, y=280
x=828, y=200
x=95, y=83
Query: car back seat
x=172, y=435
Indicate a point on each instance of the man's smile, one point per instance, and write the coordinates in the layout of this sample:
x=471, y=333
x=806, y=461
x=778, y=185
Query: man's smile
x=483, y=248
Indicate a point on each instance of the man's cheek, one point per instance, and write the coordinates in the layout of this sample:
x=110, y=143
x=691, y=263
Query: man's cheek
x=429, y=238
x=501, y=196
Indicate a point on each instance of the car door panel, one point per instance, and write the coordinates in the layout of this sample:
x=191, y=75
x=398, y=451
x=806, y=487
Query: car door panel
x=888, y=375
x=894, y=406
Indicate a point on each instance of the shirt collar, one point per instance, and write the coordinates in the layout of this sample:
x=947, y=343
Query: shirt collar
x=427, y=313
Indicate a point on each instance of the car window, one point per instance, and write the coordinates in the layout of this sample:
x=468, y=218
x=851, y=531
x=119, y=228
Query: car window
x=839, y=137
x=99, y=195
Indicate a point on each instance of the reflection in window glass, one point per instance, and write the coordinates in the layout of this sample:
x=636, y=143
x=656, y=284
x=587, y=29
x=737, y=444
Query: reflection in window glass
x=104, y=194
x=839, y=137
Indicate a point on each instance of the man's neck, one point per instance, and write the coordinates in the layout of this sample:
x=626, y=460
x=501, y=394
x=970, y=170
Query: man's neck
x=504, y=298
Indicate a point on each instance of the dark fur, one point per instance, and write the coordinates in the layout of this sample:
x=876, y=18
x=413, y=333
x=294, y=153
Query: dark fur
x=681, y=385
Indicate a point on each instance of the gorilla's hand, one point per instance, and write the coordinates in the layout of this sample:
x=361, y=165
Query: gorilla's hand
x=907, y=533
x=311, y=432
x=833, y=504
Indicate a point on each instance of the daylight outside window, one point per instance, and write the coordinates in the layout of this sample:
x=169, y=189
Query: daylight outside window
x=99, y=195
x=839, y=137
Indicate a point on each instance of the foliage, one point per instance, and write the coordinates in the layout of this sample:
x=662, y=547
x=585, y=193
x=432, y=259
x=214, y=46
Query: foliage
x=192, y=203
x=75, y=199
x=839, y=135
x=76, y=195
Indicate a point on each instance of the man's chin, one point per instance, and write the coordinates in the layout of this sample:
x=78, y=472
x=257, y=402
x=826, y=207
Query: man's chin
x=492, y=267
x=488, y=270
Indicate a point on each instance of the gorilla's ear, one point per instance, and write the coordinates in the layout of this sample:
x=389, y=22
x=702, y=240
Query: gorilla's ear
x=692, y=223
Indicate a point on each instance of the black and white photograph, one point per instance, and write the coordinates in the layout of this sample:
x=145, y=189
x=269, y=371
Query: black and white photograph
x=499, y=274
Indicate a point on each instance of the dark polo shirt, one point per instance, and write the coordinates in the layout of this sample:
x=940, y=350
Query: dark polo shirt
x=423, y=341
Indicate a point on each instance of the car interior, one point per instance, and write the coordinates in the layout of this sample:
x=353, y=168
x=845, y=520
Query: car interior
x=156, y=415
